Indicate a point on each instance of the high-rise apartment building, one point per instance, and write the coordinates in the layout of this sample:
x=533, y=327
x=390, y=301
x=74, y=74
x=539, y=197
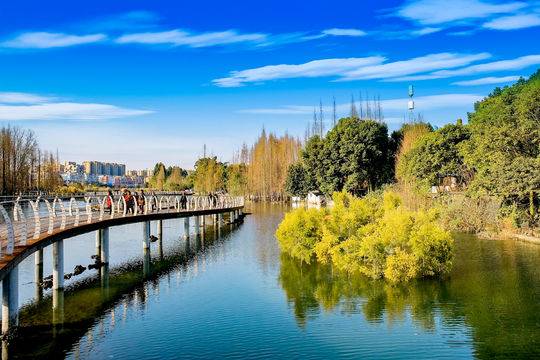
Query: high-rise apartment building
x=101, y=168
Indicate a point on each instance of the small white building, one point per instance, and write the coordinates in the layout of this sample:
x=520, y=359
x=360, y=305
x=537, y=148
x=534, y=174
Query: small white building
x=315, y=198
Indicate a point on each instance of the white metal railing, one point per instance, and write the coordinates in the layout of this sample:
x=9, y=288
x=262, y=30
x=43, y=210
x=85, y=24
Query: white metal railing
x=22, y=219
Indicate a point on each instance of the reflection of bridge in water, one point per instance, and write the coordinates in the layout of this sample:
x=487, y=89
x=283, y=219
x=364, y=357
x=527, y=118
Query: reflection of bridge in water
x=109, y=296
x=31, y=225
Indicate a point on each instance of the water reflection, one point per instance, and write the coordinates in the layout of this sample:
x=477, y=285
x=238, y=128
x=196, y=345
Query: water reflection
x=48, y=328
x=493, y=293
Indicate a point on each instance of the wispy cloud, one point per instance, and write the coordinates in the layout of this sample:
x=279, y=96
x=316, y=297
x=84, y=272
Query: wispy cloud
x=425, y=31
x=316, y=68
x=487, y=80
x=344, y=32
x=470, y=15
x=430, y=102
x=44, y=40
x=23, y=98
x=413, y=66
x=24, y=106
x=179, y=37
x=435, y=12
x=513, y=22
x=347, y=69
x=501, y=65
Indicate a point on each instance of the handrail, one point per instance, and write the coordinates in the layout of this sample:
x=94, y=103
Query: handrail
x=59, y=213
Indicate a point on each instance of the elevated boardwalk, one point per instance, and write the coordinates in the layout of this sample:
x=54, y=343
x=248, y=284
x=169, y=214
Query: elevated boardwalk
x=31, y=225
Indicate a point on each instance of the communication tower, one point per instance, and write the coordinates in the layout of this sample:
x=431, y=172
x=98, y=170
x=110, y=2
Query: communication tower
x=410, y=105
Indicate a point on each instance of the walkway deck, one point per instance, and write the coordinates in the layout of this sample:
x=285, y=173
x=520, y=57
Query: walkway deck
x=32, y=225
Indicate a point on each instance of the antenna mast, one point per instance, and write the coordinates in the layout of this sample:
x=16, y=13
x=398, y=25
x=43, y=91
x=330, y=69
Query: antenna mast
x=411, y=103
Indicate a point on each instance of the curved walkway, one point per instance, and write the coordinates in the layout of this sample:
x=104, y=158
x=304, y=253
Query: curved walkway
x=31, y=225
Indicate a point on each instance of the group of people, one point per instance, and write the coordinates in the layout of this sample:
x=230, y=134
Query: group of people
x=136, y=199
x=131, y=200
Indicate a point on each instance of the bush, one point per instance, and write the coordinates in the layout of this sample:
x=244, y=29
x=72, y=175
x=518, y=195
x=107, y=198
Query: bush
x=299, y=231
x=375, y=236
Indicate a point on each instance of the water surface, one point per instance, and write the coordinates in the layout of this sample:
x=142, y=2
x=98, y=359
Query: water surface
x=233, y=295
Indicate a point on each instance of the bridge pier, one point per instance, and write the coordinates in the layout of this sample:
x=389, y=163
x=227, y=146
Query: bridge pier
x=160, y=238
x=104, y=245
x=197, y=225
x=58, y=282
x=146, y=235
x=146, y=262
x=186, y=227
x=214, y=219
x=10, y=300
x=160, y=230
x=38, y=274
x=220, y=219
x=58, y=265
x=231, y=217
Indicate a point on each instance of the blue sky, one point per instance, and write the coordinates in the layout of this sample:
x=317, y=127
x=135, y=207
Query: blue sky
x=138, y=82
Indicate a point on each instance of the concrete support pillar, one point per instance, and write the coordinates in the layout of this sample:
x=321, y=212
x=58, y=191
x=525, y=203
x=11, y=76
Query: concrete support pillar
x=146, y=262
x=10, y=300
x=220, y=219
x=58, y=305
x=58, y=265
x=146, y=235
x=38, y=274
x=231, y=217
x=160, y=230
x=98, y=242
x=186, y=227
x=197, y=225
x=104, y=246
x=160, y=238
x=214, y=219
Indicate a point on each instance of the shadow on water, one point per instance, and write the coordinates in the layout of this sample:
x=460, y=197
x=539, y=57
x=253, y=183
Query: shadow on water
x=44, y=332
x=494, y=291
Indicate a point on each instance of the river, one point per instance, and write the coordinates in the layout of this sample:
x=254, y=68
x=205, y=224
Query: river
x=233, y=295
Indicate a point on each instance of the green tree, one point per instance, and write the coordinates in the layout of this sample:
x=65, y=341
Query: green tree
x=237, y=179
x=435, y=155
x=312, y=157
x=209, y=175
x=296, y=183
x=356, y=156
x=504, y=146
x=176, y=180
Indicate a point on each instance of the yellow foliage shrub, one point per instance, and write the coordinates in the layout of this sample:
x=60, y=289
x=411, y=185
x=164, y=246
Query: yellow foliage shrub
x=375, y=236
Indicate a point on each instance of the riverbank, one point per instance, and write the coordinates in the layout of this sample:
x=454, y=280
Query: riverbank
x=508, y=235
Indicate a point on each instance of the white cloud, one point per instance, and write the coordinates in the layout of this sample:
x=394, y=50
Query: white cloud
x=413, y=66
x=487, y=80
x=184, y=38
x=502, y=65
x=513, y=22
x=347, y=69
x=22, y=98
x=424, y=103
x=44, y=40
x=24, y=106
x=316, y=68
x=431, y=12
x=425, y=31
x=344, y=32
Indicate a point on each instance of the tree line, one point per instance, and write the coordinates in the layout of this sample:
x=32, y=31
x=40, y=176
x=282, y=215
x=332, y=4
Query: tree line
x=24, y=166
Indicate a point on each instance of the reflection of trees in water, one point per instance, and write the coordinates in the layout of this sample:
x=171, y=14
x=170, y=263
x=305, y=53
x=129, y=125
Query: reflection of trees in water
x=312, y=287
x=493, y=294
